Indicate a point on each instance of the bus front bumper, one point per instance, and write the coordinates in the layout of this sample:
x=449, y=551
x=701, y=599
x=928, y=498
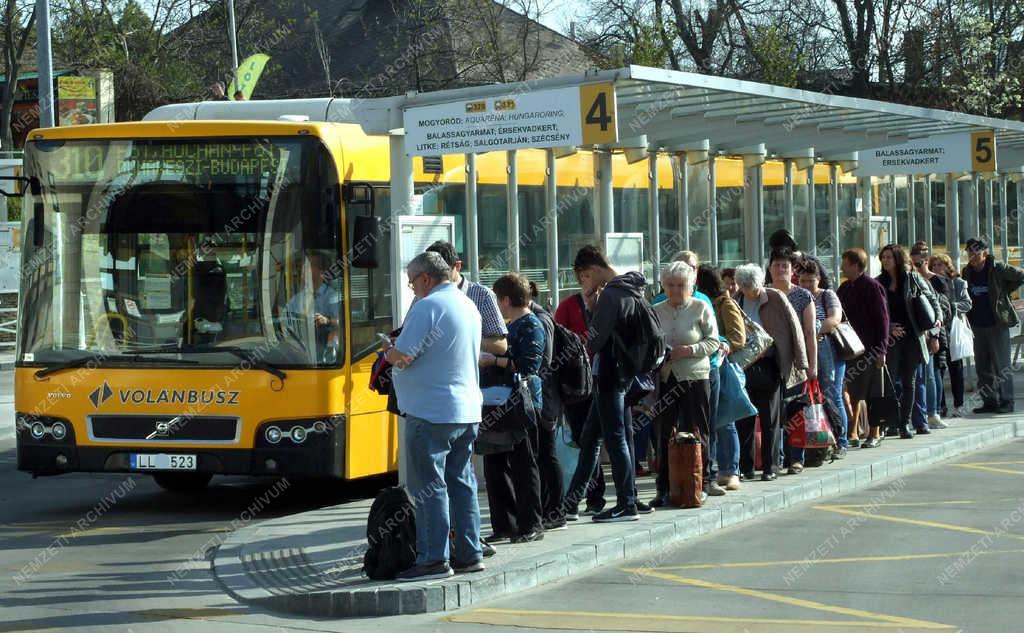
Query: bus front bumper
x=319, y=455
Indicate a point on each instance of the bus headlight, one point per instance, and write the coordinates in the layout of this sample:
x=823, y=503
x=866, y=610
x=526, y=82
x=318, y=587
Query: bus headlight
x=273, y=434
x=58, y=430
x=319, y=426
x=298, y=434
x=38, y=430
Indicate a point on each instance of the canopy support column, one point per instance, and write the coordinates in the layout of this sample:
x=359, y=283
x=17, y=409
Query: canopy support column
x=753, y=207
x=654, y=213
x=975, y=225
x=551, y=219
x=787, y=195
x=603, y=185
x=891, y=185
x=472, y=230
x=712, y=212
x=928, y=211
x=402, y=190
x=812, y=221
x=833, y=212
x=682, y=191
x=512, y=197
x=912, y=211
x=952, y=220
x=1004, y=222
x=990, y=216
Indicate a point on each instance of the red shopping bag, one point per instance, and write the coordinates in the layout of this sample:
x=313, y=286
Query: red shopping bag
x=809, y=426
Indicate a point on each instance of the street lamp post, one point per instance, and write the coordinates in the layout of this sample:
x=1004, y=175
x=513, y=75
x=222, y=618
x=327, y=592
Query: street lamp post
x=233, y=37
x=45, y=62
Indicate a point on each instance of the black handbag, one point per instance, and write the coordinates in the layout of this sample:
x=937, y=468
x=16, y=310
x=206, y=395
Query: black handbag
x=921, y=310
x=884, y=409
x=845, y=342
x=508, y=403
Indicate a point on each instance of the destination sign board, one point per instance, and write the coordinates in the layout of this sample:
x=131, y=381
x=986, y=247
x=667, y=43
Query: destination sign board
x=961, y=152
x=556, y=117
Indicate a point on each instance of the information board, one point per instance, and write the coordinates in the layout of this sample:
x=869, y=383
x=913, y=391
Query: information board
x=557, y=117
x=933, y=155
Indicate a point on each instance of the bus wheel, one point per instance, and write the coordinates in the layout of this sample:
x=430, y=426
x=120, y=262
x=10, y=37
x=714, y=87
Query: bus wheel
x=182, y=482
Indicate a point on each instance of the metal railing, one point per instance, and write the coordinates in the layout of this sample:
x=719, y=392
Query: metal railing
x=8, y=327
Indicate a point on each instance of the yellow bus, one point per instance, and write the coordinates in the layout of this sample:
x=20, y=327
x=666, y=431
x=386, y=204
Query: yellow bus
x=189, y=308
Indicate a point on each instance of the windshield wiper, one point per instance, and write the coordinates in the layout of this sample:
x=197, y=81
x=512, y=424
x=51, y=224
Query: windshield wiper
x=84, y=360
x=209, y=349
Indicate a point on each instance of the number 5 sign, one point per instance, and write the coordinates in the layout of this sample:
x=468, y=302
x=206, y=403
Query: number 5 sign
x=983, y=151
x=597, y=108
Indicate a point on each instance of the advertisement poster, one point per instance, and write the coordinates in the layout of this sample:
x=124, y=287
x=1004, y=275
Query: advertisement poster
x=76, y=100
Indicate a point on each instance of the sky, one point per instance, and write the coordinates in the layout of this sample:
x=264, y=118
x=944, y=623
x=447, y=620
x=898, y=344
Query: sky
x=559, y=13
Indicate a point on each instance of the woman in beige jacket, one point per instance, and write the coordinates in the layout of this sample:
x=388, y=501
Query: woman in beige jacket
x=784, y=366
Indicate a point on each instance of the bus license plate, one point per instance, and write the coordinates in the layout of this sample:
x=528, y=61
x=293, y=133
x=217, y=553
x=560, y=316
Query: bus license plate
x=161, y=461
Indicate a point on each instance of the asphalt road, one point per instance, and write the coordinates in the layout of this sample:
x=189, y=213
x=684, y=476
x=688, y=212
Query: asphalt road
x=941, y=549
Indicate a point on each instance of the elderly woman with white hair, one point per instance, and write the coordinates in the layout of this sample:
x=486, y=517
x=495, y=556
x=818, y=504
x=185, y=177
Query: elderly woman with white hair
x=691, y=333
x=783, y=366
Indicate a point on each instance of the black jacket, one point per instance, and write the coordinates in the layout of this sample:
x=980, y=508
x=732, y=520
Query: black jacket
x=914, y=285
x=616, y=308
x=551, y=407
x=1002, y=281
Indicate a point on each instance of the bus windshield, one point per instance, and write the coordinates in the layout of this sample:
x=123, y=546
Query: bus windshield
x=167, y=247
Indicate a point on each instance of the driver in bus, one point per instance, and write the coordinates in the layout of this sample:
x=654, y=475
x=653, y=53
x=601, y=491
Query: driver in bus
x=320, y=298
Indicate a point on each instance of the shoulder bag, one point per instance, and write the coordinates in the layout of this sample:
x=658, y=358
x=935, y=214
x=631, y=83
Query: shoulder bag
x=758, y=344
x=845, y=342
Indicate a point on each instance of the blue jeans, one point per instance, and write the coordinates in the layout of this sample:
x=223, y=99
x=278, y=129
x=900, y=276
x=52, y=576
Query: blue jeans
x=443, y=489
x=831, y=373
x=643, y=439
x=714, y=387
x=933, y=388
x=920, y=414
x=608, y=424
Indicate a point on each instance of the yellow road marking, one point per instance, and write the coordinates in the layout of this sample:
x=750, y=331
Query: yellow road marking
x=1016, y=461
x=918, y=522
x=825, y=561
x=795, y=602
x=663, y=623
x=909, y=504
x=1005, y=471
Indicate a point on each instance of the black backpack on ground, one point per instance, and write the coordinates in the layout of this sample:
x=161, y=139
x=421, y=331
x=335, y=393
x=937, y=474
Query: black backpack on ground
x=391, y=534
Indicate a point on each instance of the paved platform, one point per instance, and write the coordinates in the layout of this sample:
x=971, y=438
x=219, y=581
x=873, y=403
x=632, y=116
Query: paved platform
x=309, y=563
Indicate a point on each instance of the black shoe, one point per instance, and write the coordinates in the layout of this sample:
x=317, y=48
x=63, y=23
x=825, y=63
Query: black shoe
x=923, y=430
x=872, y=442
x=855, y=443
x=1006, y=407
x=555, y=524
x=906, y=433
x=487, y=550
x=591, y=510
x=572, y=515
x=986, y=408
x=616, y=514
x=467, y=568
x=497, y=537
x=643, y=508
x=426, y=571
x=529, y=537
x=747, y=476
x=769, y=476
x=892, y=432
x=659, y=502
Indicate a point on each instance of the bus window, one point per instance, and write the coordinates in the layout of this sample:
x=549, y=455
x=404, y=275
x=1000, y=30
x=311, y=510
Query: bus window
x=186, y=246
x=370, y=288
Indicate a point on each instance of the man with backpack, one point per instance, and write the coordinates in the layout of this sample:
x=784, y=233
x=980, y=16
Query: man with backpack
x=624, y=337
x=438, y=389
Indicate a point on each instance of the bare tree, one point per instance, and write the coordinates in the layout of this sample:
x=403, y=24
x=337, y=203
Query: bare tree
x=18, y=23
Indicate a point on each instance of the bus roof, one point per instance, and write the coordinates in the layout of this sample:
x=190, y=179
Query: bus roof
x=181, y=129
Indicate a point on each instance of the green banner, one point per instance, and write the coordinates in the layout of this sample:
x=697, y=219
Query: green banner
x=249, y=72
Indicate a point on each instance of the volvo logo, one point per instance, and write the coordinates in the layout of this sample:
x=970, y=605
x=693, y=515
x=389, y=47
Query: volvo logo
x=100, y=395
x=166, y=429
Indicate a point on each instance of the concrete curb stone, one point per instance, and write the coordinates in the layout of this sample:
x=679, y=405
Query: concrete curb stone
x=650, y=538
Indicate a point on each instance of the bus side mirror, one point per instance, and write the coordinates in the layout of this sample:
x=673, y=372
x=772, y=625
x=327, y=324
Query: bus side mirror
x=366, y=239
x=37, y=223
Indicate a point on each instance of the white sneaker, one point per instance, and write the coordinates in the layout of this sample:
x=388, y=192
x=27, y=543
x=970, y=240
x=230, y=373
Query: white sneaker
x=935, y=422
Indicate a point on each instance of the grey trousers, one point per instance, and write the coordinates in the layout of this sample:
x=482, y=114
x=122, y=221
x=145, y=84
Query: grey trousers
x=992, y=357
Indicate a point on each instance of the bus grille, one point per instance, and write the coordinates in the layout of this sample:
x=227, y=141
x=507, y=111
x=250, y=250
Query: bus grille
x=163, y=428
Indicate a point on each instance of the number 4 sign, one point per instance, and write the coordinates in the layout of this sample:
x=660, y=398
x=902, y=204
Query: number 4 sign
x=597, y=107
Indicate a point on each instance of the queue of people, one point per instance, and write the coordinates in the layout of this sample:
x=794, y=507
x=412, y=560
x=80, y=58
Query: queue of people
x=773, y=332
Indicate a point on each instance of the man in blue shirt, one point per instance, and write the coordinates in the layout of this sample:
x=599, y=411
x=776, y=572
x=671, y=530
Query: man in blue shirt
x=437, y=386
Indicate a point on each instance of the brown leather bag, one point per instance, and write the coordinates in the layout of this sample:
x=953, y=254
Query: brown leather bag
x=685, y=471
